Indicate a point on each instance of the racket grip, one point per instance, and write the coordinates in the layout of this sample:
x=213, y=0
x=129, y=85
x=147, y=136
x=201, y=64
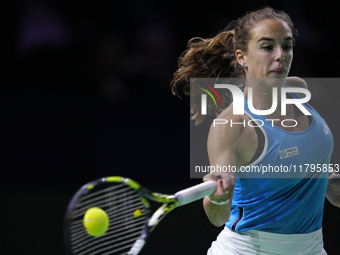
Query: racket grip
x=137, y=246
x=196, y=192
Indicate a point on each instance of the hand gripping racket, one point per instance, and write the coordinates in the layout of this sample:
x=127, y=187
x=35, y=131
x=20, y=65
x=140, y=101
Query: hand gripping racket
x=130, y=218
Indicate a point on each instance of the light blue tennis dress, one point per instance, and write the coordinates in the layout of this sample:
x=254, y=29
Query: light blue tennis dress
x=290, y=200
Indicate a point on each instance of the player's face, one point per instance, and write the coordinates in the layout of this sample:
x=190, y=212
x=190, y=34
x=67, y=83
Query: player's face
x=270, y=50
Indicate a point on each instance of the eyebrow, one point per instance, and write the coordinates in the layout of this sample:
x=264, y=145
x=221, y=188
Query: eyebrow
x=271, y=39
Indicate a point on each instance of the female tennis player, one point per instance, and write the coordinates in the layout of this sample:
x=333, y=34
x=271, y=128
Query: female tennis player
x=261, y=215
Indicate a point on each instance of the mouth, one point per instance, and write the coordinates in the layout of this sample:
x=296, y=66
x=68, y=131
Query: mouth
x=278, y=71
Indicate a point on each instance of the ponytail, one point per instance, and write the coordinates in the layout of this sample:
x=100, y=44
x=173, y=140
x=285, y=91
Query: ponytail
x=206, y=58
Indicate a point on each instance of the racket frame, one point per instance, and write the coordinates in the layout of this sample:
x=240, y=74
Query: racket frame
x=170, y=202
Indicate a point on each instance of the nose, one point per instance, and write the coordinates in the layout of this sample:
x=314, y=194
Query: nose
x=279, y=54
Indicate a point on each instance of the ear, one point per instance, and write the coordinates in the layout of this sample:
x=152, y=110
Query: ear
x=240, y=56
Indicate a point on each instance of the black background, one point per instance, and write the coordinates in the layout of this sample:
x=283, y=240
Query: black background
x=85, y=93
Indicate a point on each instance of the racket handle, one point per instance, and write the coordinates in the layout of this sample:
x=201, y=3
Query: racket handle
x=137, y=246
x=196, y=192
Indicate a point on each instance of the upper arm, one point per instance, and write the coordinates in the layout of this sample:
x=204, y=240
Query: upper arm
x=224, y=142
x=333, y=189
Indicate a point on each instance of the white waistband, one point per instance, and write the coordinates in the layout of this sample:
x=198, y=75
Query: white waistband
x=258, y=242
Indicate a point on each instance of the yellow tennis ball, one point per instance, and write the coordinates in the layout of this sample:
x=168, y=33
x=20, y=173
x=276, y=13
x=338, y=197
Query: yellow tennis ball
x=96, y=221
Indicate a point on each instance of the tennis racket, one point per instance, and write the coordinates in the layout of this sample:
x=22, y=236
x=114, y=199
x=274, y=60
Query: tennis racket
x=130, y=218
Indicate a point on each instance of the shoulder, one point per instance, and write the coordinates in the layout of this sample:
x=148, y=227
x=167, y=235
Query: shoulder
x=224, y=122
x=295, y=81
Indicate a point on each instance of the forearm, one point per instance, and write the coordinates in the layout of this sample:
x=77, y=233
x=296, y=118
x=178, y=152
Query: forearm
x=333, y=190
x=218, y=215
x=222, y=151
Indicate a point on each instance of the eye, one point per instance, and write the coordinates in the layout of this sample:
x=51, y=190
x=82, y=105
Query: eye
x=267, y=47
x=287, y=47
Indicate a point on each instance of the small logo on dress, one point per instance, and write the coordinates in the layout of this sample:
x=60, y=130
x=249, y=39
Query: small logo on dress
x=290, y=152
x=326, y=129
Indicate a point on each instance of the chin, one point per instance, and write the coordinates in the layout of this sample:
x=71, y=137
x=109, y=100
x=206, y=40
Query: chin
x=276, y=81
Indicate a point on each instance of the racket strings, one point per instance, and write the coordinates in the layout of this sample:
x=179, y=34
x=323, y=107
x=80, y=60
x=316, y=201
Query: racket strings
x=127, y=214
x=100, y=196
x=118, y=208
x=128, y=238
x=80, y=235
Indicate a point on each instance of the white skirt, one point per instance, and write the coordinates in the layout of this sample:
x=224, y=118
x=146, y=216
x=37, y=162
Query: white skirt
x=254, y=242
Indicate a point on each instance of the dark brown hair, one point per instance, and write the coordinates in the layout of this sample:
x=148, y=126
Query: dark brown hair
x=215, y=57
